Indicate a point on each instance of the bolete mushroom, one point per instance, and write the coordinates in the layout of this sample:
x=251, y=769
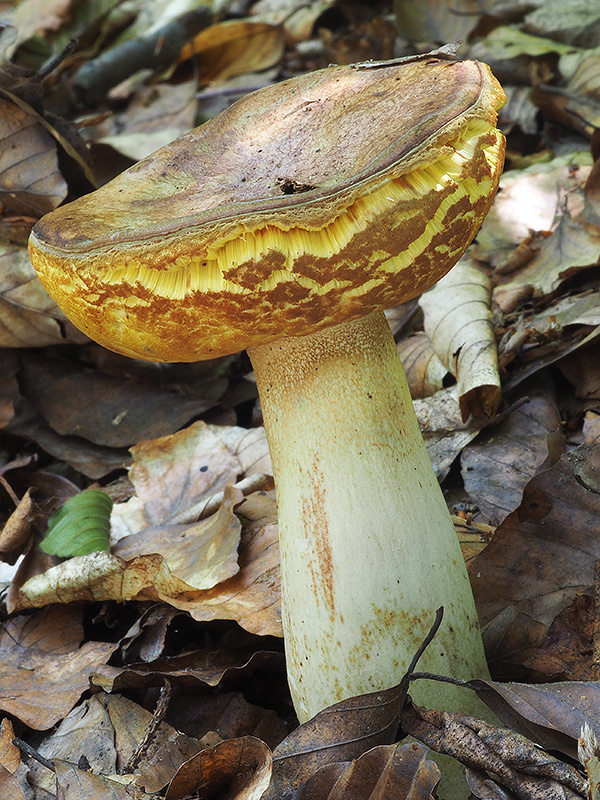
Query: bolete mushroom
x=285, y=226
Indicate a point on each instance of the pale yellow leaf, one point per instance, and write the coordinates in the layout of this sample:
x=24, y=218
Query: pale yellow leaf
x=458, y=321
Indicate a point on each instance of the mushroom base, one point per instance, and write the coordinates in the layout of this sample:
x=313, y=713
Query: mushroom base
x=368, y=549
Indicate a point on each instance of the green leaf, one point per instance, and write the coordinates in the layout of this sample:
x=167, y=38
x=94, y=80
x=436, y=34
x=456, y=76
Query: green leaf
x=80, y=526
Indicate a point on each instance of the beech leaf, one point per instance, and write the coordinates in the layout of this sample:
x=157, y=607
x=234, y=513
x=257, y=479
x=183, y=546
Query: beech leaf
x=458, y=321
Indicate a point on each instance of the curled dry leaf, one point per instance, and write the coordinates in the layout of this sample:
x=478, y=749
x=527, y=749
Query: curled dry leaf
x=202, y=554
x=234, y=47
x=443, y=430
x=237, y=769
x=517, y=763
x=199, y=668
x=28, y=317
x=387, y=771
x=175, y=476
x=17, y=529
x=342, y=732
x=551, y=714
x=458, y=321
x=425, y=372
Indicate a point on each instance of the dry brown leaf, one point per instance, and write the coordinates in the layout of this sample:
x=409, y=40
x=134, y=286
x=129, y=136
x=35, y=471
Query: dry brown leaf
x=498, y=464
x=443, y=430
x=297, y=16
x=86, y=731
x=575, y=103
x=201, y=554
x=167, y=749
x=93, y=461
x=10, y=755
x=425, y=372
x=529, y=200
x=384, y=772
x=458, y=321
x=12, y=788
x=174, y=476
x=17, y=530
x=253, y=596
x=566, y=653
x=30, y=18
x=31, y=181
x=107, y=411
x=233, y=47
x=342, y=732
x=437, y=21
x=28, y=317
x=41, y=651
x=237, y=769
x=102, y=576
x=552, y=714
x=9, y=388
x=199, y=668
x=543, y=554
x=79, y=784
x=518, y=764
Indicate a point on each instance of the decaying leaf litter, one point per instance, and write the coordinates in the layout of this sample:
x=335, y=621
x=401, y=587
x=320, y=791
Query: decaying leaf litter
x=144, y=670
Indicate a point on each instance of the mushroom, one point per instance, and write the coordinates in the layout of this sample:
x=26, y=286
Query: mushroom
x=285, y=226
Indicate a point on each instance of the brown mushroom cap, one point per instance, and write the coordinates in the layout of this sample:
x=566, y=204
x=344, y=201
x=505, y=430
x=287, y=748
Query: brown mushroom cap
x=307, y=203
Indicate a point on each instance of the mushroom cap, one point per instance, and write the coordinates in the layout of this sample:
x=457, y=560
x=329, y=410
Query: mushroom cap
x=307, y=203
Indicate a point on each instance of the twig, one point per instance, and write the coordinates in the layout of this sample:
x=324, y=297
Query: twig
x=158, y=716
x=33, y=753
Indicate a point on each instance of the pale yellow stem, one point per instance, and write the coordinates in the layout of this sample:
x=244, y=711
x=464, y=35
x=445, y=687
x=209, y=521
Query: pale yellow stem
x=368, y=549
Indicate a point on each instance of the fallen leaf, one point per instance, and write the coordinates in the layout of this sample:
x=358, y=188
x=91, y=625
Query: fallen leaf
x=424, y=371
x=78, y=784
x=234, y=46
x=105, y=410
x=28, y=317
x=166, y=749
x=387, y=771
x=552, y=714
x=543, y=554
x=102, y=576
x=31, y=181
x=497, y=466
x=340, y=733
x=458, y=321
x=566, y=653
x=45, y=650
x=237, y=769
x=443, y=429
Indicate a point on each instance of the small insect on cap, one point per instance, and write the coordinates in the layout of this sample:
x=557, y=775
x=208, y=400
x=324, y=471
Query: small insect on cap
x=314, y=201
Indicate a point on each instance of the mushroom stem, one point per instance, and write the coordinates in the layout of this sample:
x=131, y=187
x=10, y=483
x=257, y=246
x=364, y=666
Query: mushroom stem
x=368, y=549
